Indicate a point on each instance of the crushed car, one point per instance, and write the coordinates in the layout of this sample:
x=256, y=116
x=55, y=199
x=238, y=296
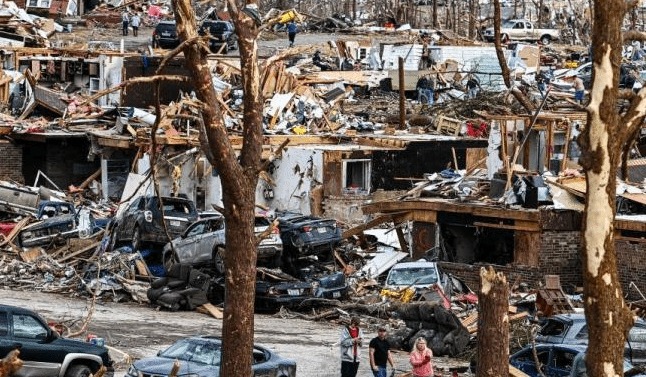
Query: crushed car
x=422, y=277
x=275, y=289
x=555, y=360
x=572, y=329
x=304, y=236
x=56, y=229
x=141, y=222
x=43, y=351
x=200, y=357
x=203, y=244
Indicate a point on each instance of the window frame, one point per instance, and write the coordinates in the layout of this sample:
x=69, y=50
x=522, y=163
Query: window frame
x=365, y=190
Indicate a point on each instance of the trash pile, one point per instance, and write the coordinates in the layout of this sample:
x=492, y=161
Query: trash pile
x=21, y=29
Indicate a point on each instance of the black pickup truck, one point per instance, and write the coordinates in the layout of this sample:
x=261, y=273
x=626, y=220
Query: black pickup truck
x=43, y=351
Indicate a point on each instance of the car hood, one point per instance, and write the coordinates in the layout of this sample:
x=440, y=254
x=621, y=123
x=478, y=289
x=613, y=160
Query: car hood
x=162, y=366
x=78, y=346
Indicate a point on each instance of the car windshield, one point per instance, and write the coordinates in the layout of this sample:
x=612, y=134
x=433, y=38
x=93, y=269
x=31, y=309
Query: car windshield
x=177, y=207
x=508, y=24
x=203, y=352
x=412, y=275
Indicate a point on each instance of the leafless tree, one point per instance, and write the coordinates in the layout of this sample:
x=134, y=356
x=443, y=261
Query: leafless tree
x=239, y=174
x=607, y=130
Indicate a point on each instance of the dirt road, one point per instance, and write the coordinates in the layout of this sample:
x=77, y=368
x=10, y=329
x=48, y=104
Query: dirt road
x=142, y=331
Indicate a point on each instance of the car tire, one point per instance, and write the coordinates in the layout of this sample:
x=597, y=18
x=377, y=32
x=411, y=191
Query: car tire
x=78, y=370
x=136, y=239
x=545, y=40
x=235, y=45
x=218, y=260
x=504, y=38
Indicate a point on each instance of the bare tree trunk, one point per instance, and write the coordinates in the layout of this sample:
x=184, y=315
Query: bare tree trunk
x=435, y=14
x=493, y=324
x=472, y=19
x=239, y=177
x=602, y=143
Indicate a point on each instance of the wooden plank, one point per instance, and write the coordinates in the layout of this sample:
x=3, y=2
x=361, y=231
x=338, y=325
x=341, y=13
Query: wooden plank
x=505, y=226
x=628, y=225
x=79, y=252
x=514, y=372
x=142, y=269
x=370, y=224
x=421, y=216
x=210, y=309
x=426, y=204
x=31, y=254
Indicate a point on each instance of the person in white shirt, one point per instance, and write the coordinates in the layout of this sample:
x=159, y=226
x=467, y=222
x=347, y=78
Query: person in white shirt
x=135, y=22
x=125, y=20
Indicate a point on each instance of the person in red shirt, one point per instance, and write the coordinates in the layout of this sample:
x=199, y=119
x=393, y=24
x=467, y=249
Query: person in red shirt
x=351, y=339
x=421, y=358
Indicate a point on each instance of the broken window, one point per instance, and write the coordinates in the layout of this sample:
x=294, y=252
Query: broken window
x=39, y=3
x=356, y=176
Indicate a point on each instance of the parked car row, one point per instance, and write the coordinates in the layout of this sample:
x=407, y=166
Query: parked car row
x=45, y=353
x=222, y=36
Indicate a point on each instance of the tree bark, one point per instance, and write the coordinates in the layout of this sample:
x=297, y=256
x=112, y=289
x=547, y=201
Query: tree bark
x=493, y=327
x=239, y=178
x=606, y=132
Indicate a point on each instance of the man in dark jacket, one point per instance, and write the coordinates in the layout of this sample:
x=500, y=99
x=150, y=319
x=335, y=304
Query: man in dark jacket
x=292, y=28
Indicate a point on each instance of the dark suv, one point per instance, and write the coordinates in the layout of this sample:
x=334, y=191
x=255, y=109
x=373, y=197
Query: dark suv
x=222, y=33
x=141, y=222
x=43, y=351
x=165, y=35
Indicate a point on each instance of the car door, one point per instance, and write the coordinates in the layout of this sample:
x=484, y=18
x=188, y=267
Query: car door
x=529, y=31
x=6, y=344
x=525, y=361
x=40, y=354
x=186, y=246
x=213, y=236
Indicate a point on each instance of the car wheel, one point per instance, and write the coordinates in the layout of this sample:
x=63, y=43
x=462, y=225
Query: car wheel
x=78, y=370
x=545, y=40
x=235, y=45
x=218, y=260
x=136, y=239
x=504, y=38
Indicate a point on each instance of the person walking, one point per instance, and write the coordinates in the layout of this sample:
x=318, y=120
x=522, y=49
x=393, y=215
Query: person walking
x=125, y=20
x=579, y=89
x=135, y=22
x=380, y=354
x=292, y=28
x=351, y=338
x=421, y=358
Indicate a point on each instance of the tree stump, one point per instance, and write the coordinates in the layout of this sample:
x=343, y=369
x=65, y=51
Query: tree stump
x=493, y=326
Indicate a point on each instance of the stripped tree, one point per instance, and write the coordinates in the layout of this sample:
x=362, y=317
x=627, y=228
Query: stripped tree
x=607, y=130
x=238, y=174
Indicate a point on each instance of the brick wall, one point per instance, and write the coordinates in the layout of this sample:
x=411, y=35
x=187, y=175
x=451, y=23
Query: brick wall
x=11, y=166
x=559, y=254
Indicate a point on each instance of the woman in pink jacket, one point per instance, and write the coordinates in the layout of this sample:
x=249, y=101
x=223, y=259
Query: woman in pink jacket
x=421, y=359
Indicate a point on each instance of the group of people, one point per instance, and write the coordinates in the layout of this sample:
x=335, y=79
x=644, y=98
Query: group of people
x=421, y=357
x=128, y=21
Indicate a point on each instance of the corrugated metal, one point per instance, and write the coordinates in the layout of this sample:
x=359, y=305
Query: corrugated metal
x=483, y=60
x=412, y=55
